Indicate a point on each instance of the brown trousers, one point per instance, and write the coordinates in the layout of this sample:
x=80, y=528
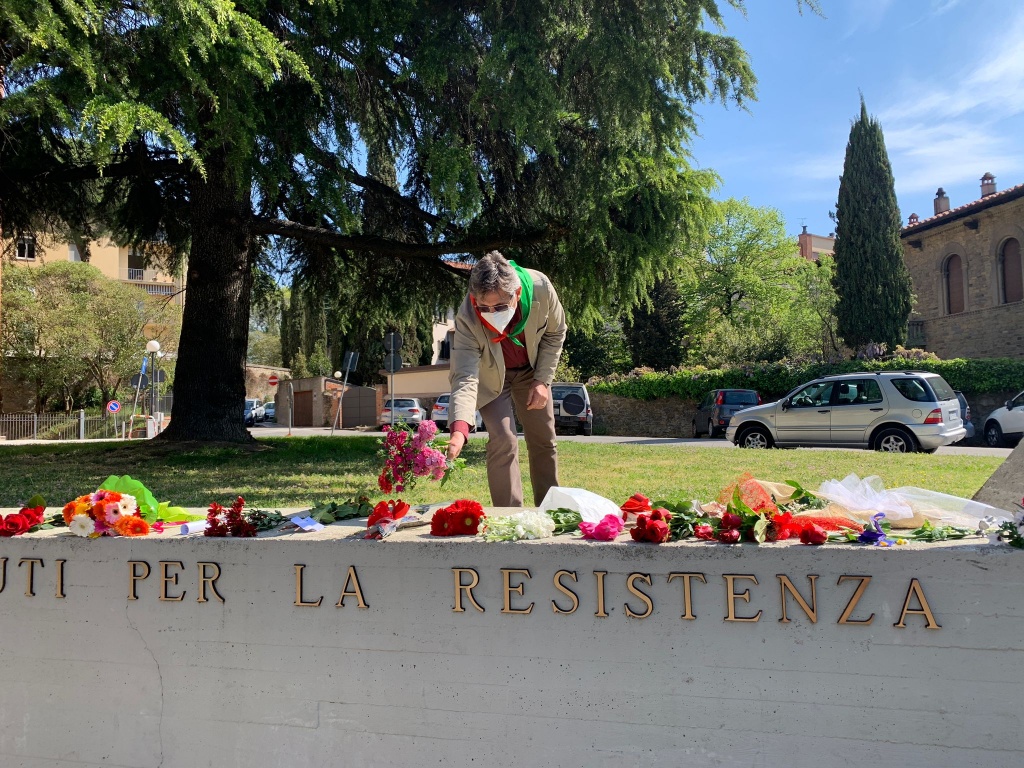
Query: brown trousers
x=503, y=476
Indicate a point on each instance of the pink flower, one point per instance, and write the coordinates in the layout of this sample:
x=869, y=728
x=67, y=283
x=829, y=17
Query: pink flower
x=606, y=530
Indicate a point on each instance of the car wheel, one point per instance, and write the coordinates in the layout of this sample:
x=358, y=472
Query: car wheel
x=755, y=437
x=895, y=440
x=994, y=435
x=712, y=432
x=588, y=430
x=694, y=432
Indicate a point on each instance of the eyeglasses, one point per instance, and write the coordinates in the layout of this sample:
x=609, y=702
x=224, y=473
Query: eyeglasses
x=484, y=310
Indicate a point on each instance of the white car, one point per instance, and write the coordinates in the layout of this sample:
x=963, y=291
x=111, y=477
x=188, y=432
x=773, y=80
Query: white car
x=1005, y=424
x=439, y=414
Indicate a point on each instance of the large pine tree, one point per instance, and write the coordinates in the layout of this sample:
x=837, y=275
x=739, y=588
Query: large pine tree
x=871, y=278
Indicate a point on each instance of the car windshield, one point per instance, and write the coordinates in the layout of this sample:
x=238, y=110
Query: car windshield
x=250, y=404
x=740, y=397
x=401, y=404
x=443, y=399
x=559, y=393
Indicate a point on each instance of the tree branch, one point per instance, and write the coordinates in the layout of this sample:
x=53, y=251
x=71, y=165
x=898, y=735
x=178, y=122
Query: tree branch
x=398, y=249
x=67, y=174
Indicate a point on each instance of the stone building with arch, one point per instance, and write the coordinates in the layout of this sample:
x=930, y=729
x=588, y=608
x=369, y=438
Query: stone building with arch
x=965, y=264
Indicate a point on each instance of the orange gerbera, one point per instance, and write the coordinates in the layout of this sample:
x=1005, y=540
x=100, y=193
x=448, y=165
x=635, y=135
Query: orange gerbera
x=130, y=525
x=79, y=506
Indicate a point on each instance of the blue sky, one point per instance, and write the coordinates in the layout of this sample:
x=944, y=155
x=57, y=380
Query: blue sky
x=944, y=77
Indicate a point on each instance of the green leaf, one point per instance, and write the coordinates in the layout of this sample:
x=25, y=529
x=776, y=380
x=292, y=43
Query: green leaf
x=36, y=501
x=761, y=529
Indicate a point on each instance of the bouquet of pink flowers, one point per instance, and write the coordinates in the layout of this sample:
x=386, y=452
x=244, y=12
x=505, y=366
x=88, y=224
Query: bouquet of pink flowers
x=410, y=454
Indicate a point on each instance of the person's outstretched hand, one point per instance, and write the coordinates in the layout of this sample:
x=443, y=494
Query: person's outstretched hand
x=455, y=443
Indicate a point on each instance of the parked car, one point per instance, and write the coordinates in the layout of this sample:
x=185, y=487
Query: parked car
x=439, y=414
x=1005, y=425
x=254, y=411
x=898, y=411
x=270, y=412
x=406, y=409
x=965, y=414
x=718, y=407
x=571, y=402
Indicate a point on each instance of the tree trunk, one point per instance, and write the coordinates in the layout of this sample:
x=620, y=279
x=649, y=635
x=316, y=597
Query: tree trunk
x=209, y=386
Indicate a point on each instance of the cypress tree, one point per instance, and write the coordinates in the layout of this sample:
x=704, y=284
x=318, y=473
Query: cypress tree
x=871, y=278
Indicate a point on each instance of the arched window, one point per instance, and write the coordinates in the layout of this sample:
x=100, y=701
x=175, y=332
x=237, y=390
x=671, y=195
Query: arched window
x=953, y=278
x=1010, y=277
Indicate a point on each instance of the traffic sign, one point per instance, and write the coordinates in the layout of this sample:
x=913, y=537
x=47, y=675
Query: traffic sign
x=350, y=361
x=113, y=406
x=392, y=362
x=272, y=381
x=393, y=341
x=140, y=381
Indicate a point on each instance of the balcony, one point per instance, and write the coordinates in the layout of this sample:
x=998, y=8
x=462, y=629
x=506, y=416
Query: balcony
x=133, y=275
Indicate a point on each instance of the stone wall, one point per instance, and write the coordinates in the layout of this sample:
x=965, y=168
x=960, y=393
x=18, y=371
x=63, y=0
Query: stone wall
x=985, y=328
x=323, y=649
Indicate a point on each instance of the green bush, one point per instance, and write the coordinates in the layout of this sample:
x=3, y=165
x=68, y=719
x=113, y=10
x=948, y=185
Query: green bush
x=773, y=380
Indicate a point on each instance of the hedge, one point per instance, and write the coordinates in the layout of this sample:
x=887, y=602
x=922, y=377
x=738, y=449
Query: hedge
x=773, y=380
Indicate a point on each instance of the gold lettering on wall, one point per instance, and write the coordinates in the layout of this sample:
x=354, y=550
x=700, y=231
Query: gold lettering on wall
x=687, y=592
x=565, y=591
x=134, y=577
x=30, y=590
x=811, y=610
x=168, y=579
x=925, y=610
x=357, y=591
x=59, y=592
x=467, y=588
x=601, y=612
x=858, y=593
x=731, y=596
x=208, y=580
x=3, y=573
x=506, y=576
x=631, y=581
x=298, y=590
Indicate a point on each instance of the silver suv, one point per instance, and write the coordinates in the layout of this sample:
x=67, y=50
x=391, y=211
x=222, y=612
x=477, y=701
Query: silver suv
x=571, y=403
x=898, y=411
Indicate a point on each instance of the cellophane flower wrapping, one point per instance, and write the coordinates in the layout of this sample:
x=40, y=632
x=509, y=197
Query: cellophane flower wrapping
x=528, y=524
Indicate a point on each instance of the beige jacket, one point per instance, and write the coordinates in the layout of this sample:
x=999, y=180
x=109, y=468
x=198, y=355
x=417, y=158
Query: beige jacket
x=477, y=363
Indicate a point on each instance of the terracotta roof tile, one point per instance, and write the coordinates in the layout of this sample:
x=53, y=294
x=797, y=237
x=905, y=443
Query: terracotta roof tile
x=974, y=205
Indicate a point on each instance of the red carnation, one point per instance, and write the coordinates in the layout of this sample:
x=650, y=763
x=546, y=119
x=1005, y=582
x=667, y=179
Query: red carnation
x=634, y=505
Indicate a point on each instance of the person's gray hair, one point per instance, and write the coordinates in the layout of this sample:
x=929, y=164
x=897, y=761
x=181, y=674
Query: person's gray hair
x=493, y=273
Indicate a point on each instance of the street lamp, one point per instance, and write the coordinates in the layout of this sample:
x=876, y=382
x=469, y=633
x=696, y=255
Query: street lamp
x=153, y=348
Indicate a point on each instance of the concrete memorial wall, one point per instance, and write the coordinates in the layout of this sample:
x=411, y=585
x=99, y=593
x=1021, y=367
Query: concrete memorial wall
x=323, y=649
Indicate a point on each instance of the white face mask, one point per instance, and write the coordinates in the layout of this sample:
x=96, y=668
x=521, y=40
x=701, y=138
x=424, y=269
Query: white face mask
x=500, y=320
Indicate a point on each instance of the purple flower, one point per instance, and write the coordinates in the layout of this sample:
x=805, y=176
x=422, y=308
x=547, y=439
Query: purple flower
x=875, y=535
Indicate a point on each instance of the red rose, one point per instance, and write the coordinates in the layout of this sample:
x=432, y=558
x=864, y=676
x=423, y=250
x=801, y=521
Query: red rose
x=661, y=514
x=704, y=531
x=15, y=524
x=729, y=535
x=34, y=514
x=729, y=520
x=656, y=531
x=384, y=483
x=813, y=534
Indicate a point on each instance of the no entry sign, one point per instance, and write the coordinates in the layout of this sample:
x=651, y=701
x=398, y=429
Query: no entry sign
x=272, y=381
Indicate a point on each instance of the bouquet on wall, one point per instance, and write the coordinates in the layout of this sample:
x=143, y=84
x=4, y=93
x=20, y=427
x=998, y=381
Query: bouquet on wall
x=410, y=454
x=105, y=513
x=28, y=519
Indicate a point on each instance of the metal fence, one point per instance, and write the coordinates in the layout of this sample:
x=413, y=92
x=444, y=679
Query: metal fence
x=59, y=426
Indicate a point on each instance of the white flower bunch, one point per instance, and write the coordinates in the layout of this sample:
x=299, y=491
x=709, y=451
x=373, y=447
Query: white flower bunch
x=529, y=524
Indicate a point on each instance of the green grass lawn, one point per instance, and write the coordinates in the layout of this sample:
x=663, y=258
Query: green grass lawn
x=303, y=471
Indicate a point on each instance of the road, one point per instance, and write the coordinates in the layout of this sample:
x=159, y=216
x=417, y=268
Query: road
x=276, y=430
